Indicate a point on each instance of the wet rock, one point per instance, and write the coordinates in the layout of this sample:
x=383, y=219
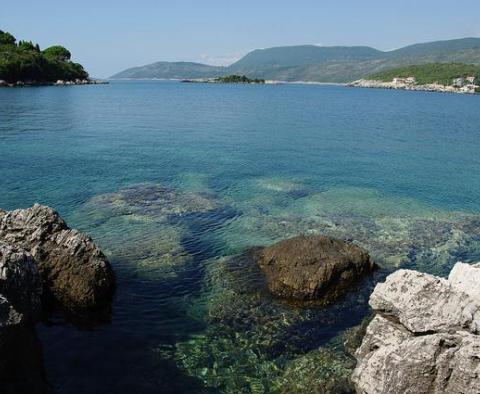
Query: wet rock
x=312, y=268
x=20, y=281
x=21, y=360
x=74, y=271
x=424, y=337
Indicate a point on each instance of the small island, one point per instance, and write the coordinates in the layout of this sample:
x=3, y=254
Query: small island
x=227, y=79
x=23, y=63
x=433, y=77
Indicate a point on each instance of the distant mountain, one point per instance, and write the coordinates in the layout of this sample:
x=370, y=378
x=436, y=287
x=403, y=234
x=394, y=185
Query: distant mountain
x=171, y=70
x=318, y=64
x=303, y=55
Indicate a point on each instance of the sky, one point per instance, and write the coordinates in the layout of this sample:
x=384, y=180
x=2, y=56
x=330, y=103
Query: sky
x=108, y=36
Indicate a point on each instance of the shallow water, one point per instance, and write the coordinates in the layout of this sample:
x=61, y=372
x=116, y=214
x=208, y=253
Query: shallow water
x=171, y=179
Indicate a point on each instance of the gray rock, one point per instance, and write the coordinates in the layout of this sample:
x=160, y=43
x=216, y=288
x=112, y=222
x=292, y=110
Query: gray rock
x=424, y=337
x=424, y=303
x=466, y=278
x=8, y=315
x=20, y=281
x=21, y=358
x=72, y=267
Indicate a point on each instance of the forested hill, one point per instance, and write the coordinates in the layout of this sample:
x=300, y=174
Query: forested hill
x=24, y=61
x=319, y=64
x=442, y=73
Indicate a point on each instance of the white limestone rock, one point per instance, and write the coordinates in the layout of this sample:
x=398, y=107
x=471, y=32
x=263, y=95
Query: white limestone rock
x=424, y=337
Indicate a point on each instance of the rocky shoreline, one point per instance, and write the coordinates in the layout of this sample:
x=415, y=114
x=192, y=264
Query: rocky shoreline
x=424, y=337
x=44, y=264
x=434, y=87
x=60, y=82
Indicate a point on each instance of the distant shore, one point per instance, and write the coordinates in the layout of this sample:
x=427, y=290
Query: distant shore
x=60, y=82
x=267, y=81
x=433, y=87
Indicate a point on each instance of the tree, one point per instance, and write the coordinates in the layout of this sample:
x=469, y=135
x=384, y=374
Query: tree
x=57, y=52
x=6, y=38
x=28, y=46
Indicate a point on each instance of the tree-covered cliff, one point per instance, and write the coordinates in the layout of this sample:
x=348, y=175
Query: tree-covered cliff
x=24, y=61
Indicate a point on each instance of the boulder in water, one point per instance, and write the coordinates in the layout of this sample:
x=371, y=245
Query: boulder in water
x=312, y=268
x=73, y=269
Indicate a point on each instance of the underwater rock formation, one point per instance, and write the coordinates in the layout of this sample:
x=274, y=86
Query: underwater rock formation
x=425, y=335
x=254, y=342
x=149, y=201
x=312, y=268
x=74, y=271
x=152, y=228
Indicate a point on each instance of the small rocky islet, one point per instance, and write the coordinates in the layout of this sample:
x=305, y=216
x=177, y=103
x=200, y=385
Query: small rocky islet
x=258, y=338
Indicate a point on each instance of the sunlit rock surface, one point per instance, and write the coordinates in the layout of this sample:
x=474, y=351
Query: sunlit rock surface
x=424, y=337
x=73, y=269
x=20, y=281
x=312, y=268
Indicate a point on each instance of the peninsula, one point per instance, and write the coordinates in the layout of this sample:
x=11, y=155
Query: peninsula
x=434, y=77
x=23, y=63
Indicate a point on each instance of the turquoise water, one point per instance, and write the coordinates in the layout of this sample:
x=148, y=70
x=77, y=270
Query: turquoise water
x=174, y=181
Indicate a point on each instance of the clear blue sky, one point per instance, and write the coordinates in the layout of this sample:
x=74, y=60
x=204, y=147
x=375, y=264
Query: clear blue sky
x=108, y=36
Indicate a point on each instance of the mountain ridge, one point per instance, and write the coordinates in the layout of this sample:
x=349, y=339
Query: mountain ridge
x=315, y=63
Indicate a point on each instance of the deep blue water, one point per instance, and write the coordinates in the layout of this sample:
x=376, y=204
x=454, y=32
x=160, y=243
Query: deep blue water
x=398, y=172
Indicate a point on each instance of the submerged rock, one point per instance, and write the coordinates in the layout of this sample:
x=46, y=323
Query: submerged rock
x=425, y=335
x=146, y=201
x=312, y=268
x=73, y=269
x=254, y=342
x=320, y=371
x=397, y=232
x=151, y=228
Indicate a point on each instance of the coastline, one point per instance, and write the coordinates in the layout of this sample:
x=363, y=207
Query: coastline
x=267, y=81
x=434, y=87
x=60, y=82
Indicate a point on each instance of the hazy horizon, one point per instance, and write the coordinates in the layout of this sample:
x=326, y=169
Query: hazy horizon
x=108, y=37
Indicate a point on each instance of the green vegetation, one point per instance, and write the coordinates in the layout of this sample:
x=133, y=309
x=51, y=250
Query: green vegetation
x=443, y=73
x=238, y=79
x=320, y=64
x=25, y=62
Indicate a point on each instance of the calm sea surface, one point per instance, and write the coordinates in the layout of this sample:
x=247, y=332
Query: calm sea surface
x=175, y=181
